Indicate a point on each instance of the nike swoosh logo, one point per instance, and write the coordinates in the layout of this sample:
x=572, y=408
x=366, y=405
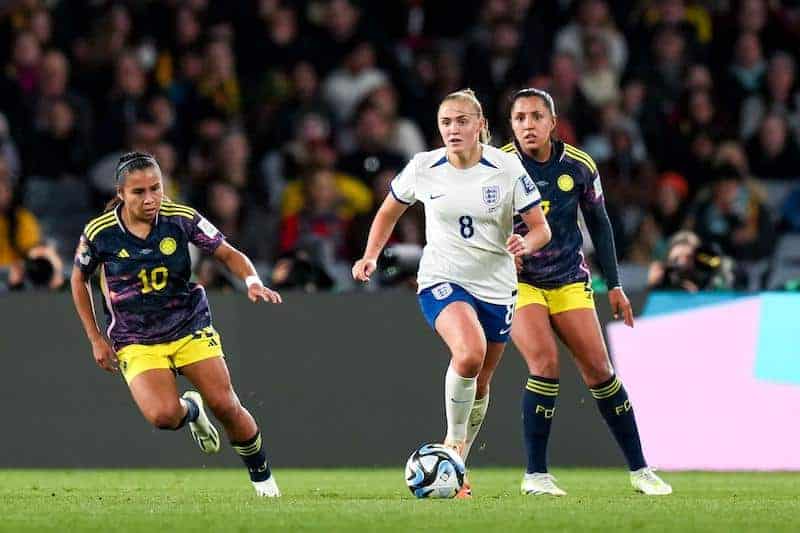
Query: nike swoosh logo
x=459, y=401
x=434, y=197
x=504, y=331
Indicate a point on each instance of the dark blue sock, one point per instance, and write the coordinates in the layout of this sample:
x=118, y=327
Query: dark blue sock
x=254, y=457
x=192, y=412
x=612, y=400
x=538, y=408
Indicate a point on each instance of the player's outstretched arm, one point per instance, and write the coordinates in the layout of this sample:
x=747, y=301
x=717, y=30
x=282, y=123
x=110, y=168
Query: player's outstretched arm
x=102, y=352
x=382, y=226
x=538, y=234
x=243, y=268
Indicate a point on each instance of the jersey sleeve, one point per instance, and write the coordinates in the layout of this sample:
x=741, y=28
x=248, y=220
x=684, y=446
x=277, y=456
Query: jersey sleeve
x=87, y=257
x=404, y=185
x=526, y=193
x=593, y=207
x=592, y=192
x=204, y=234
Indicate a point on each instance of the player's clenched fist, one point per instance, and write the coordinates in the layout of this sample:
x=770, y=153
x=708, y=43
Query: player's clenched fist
x=363, y=269
x=104, y=355
x=516, y=245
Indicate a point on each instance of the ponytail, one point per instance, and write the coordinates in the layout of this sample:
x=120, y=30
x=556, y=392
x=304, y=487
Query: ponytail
x=112, y=204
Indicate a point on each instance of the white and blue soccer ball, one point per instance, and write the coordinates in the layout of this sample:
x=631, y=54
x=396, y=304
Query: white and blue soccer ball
x=435, y=471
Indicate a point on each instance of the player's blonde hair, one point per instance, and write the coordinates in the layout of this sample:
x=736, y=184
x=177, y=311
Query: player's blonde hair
x=468, y=95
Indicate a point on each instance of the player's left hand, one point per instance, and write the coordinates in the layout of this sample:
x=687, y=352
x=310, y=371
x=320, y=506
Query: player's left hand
x=516, y=245
x=620, y=305
x=257, y=292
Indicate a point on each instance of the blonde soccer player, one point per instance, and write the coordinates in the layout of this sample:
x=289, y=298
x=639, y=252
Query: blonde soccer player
x=466, y=279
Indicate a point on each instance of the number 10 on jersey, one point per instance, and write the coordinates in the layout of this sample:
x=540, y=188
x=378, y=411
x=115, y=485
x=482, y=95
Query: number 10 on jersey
x=155, y=281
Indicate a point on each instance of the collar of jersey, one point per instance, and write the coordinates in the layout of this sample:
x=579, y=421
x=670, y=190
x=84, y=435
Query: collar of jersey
x=555, y=155
x=126, y=231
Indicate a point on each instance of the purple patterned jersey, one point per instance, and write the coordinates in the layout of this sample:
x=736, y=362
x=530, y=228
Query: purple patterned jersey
x=148, y=296
x=567, y=181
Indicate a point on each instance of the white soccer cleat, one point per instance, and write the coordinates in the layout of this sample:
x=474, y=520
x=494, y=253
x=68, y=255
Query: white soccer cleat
x=647, y=482
x=203, y=431
x=538, y=484
x=267, y=488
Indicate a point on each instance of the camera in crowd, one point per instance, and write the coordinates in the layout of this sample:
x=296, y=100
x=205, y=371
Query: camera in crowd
x=692, y=266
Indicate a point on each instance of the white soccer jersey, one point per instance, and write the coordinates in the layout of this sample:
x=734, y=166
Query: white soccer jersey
x=468, y=218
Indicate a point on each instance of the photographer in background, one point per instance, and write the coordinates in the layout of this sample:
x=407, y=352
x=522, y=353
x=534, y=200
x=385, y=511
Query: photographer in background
x=692, y=266
x=732, y=213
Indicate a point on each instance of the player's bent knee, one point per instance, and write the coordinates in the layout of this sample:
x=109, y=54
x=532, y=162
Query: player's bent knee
x=165, y=417
x=543, y=363
x=224, y=406
x=467, y=364
x=595, y=374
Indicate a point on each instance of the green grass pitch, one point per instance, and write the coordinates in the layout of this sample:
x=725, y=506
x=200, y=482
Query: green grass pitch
x=376, y=500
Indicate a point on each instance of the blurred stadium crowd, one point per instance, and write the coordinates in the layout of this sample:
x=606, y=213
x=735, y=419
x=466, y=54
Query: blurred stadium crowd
x=284, y=121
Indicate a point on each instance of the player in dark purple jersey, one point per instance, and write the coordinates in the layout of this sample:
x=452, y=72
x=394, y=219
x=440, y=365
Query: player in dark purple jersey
x=159, y=322
x=555, y=294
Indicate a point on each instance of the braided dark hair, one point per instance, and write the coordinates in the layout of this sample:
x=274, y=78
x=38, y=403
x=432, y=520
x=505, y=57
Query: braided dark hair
x=128, y=163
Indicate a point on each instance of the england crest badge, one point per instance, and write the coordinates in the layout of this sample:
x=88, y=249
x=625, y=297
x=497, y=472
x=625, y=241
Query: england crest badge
x=491, y=195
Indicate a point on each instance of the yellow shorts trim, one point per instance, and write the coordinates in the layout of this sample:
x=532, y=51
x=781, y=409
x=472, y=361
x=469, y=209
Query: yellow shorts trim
x=565, y=298
x=137, y=358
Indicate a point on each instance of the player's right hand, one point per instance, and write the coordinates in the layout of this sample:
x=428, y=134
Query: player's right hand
x=104, y=355
x=363, y=269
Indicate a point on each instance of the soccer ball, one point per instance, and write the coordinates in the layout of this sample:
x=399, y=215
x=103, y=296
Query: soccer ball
x=435, y=471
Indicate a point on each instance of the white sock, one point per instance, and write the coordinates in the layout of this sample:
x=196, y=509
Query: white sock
x=476, y=417
x=459, y=395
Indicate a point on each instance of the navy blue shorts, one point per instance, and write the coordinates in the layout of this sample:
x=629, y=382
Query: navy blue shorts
x=495, y=319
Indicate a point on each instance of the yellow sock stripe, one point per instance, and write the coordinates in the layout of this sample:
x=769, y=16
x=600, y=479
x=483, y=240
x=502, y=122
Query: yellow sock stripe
x=582, y=157
x=251, y=449
x=91, y=235
x=97, y=221
x=608, y=391
x=543, y=384
x=544, y=392
x=606, y=388
x=246, y=452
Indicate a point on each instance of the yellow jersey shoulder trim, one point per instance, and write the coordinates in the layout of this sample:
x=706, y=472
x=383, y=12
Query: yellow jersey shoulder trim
x=173, y=205
x=171, y=208
x=509, y=148
x=94, y=232
x=176, y=213
x=581, y=156
x=97, y=221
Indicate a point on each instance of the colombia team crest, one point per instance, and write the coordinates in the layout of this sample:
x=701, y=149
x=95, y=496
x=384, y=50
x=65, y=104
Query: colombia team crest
x=167, y=246
x=491, y=195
